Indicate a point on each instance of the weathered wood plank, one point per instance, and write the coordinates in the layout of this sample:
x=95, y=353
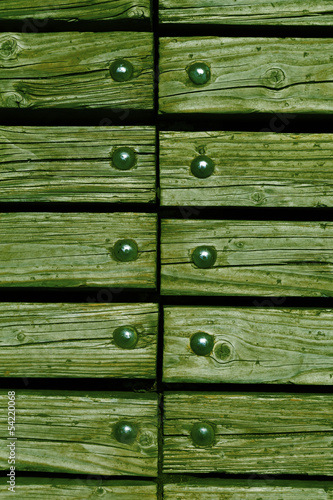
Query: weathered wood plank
x=72, y=70
x=76, y=340
x=76, y=249
x=277, y=75
x=259, y=433
x=253, y=12
x=252, y=258
x=250, y=169
x=251, y=345
x=73, y=432
x=66, y=164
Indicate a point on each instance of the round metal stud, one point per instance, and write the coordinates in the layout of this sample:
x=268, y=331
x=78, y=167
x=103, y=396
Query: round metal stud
x=125, y=250
x=204, y=256
x=125, y=337
x=123, y=158
x=202, y=434
x=125, y=432
x=202, y=167
x=121, y=70
x=202, y=343
x=199, y=73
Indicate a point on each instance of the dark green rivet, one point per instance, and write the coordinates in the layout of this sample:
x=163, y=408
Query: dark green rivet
x=125, y=432
x=202, y=343
x=123, y=158
x=202, y=434
x=125, y=250
x=199, y=73
x=121, y=70
x=204, y=256
x=125, y=337
x=202, y=167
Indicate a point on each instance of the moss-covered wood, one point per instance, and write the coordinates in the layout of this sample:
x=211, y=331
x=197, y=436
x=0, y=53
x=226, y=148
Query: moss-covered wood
x=75, y=164
x=72, y=70
x=265, y=258
x=243, y=12
x=272, y=75
x=76, y=340
x=251, y=345
x=250, y=169
x=254, y=433
x=73, y=432
x=76, y=249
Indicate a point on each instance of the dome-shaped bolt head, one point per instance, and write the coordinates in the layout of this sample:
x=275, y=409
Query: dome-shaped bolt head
x=204, y=256
x=202, y=343
x=202, y=167
x=125, y=337
x=202, y=434
x=121, y=70
x=199, y=73
x=125, y=432
x=125, y=250
x=123, y=158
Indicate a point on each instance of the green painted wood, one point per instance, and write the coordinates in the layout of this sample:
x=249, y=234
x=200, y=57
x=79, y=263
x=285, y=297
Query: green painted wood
x=251, y=345
x=243, y=12
x=76, y=249
x=250, y=169
x=76, y=340
x=272, y=75
x=72, y=70
x=254, y=433
x=74, y=164
x=72, y=432
x=265, y=258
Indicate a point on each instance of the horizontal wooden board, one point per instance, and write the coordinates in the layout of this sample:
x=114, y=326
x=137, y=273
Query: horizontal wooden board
x=76, y=340
x=72, y=432
x=252, y=12
x=253, y=258
x=250, y=169
x=251, y=345
x=74, y=164
x=272, y=75
x=72, y=70
x=254, y=433
x=75, y=249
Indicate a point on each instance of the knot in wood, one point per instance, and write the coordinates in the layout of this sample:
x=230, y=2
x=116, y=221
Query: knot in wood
x=224, y=351
x=274, y=77
x=146, y=439
x=8, y=48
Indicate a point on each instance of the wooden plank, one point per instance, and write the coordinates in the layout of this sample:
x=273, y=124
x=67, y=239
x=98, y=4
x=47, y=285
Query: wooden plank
x=275, y=75
x=76, y=340
x=73, y=432
x=253, y=258
x=251, y=345
x=110, y=10
x=74, y=164
x=40, y=488
x=250, y=169
x=76, y=249
x=251, y=489
x=243, y=12
x=253, y=433
x=72, y=70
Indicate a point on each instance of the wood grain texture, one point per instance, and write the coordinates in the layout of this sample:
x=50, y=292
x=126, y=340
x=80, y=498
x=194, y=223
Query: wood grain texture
x=72, y=432
x=265, y=258
x=76, y=340
x=71, y=70
x=75, y=249
x=40, y=488
x=74, y=164
x=254, y=433
x=251, y=345
x=252, y=12
x=250, y=169
x=275, y=75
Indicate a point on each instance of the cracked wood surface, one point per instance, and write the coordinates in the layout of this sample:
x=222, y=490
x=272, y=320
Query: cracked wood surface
x=72, y=432
x=250, y=169
x=254, y=433
x=74, y=164
x=75, y=249
x=71, y=70
x=272, y=75
x=266, y=258
x=76, y=340
x=243, y=12
x=251, y=345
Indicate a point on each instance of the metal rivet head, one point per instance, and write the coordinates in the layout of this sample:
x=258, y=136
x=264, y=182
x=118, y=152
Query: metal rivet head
x=125, y=337
x=121, y=70
x=202, y=167
x=123, y=158
x=125, y=432
x=204, y=256
x=202, y=434
x=199, y=73
x=202, y=343
x=125, y=250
